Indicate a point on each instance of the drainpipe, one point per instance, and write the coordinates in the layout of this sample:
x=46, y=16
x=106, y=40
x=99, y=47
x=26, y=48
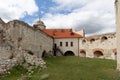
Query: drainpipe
x=78, y=46
x=53, y=46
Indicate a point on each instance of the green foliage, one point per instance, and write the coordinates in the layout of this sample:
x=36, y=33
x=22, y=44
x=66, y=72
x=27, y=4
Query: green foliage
x=69, y=68
x=14, y=73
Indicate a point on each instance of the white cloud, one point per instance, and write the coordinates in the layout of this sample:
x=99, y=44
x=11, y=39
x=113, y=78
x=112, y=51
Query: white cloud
x=15, y=9
x=70, y=4
x=95, y=16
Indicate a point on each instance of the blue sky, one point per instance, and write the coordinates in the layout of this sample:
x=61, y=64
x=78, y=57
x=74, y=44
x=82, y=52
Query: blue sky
x=94, y=16
x=43, y=7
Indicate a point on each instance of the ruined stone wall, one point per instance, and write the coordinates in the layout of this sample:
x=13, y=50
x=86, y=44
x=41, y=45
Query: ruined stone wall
x=105, y=45
x=20, y=43
x=29, y=39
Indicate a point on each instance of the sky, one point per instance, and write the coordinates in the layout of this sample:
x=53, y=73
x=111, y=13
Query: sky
x=94, y=16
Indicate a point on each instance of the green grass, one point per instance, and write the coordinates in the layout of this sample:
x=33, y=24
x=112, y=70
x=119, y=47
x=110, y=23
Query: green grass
x=72, y=68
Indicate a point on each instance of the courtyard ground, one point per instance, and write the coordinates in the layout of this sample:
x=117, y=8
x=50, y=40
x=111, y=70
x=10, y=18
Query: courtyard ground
x=70, y=68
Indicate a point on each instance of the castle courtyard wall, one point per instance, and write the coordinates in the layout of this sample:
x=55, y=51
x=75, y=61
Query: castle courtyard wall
x=29, y=39
x=97, y=43
x=21, y=43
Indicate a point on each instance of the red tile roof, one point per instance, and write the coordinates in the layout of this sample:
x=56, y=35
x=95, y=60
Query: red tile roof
x=62, y=33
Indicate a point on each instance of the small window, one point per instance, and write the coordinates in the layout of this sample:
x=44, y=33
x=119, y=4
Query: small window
x=83, y=41
x=71, y=44
x=103, y=38
x=66, y=43
x=60, y=43
x=92, y=40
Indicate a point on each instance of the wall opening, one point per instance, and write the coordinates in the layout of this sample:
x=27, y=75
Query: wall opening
x=30, y=52
x=44, y=54
x=69, y=53
x=82, y=53
x=103, y=38
x=98, y=54
x=83, y=41
x=115, y=55
x=92, y=40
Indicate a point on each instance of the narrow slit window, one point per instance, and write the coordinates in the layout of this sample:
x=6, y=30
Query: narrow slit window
x=66, y=44
x=60, y=43
x=71, y=44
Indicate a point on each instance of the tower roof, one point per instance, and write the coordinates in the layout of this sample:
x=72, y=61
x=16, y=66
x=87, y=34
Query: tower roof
x=39, y=22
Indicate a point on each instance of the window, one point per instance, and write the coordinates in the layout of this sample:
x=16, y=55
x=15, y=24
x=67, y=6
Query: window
x=83, y=41
x=66, y=43
x=103, y=38
x=92, y=40
x=71, y=44
x=60, y=43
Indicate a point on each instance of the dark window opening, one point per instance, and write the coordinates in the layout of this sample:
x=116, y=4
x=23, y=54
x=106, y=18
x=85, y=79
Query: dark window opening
x=71, y=44
x=69, y=53
x=66, y=43
x=92, y=40
x=98, y=54
x=60, y=43
x=83, y=41
x=30, y=52
x=103, y=38
x=44, y=54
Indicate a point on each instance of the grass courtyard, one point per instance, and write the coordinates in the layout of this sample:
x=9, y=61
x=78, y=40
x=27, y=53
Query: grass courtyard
x=70, y=68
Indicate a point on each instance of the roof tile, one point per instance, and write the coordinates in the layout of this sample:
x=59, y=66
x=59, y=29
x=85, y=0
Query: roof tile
x=62, y=33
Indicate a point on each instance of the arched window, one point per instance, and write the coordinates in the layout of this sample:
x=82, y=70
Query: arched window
x=82, y=53
x=92, y=40
x=103, y=38
x=83, y=41
x=98, y=54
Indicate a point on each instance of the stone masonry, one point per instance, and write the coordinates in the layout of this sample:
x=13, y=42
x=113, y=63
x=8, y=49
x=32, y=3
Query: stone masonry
x=21, y=43
x=117, y=7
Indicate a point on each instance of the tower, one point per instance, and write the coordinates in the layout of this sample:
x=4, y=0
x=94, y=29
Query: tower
x=117, y=7
x=39, y=25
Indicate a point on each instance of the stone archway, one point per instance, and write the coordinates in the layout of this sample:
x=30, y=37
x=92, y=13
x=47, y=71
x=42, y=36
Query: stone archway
x=69, y=53
x=98, y=54
x=82, y=53
x=44, y=54
x=114, y=56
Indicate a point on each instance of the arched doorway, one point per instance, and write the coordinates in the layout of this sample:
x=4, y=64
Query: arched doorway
x=44, y=54
x=69, y=53
x=98, y=54
x=114, y=56
x=82, y=53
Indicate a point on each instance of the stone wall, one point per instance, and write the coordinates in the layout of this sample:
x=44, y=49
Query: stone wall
x=29, y=38
x=104, y=44
x=21, y=43
x=117, y=7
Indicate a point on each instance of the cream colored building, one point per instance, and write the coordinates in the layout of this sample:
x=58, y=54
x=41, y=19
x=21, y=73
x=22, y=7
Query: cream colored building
x=66, y=42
